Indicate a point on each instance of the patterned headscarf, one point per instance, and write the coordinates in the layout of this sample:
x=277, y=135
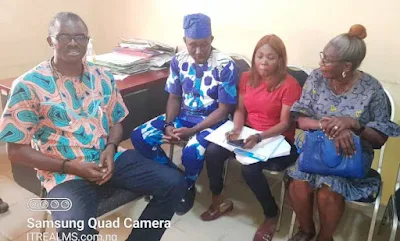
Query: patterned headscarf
x=197, y=26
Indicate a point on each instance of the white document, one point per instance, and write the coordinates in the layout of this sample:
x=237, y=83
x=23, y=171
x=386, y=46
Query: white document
x=268, y=148
x=120, y=76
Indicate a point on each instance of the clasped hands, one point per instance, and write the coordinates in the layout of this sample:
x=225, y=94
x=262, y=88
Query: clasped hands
x=339, y=129
x=97, y=173
x=173, y=135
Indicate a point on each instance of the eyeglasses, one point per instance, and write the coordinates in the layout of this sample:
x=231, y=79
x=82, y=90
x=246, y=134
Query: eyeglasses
x=66, y=38
x=326, y=62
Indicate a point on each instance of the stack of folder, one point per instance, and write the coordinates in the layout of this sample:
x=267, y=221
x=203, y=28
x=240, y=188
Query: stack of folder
x=135, y=56
x=119, y=63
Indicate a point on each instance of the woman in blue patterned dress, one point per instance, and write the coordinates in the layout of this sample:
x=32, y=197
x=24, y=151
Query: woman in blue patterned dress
x=342, y=101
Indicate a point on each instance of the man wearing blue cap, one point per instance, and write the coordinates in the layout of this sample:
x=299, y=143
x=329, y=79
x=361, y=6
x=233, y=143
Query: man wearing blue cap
x=202, y=85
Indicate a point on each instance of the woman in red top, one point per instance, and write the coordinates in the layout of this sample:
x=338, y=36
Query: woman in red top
x=266, y=94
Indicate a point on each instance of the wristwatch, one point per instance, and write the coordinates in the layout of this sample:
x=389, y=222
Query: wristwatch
x=259, y=136
x=166, y=124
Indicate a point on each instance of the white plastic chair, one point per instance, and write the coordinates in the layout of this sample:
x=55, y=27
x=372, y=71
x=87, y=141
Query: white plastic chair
x=300, y=74
x=391, y=211
x=377, y=201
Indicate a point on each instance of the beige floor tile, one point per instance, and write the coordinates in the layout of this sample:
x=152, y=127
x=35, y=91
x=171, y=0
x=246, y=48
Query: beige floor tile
x=385, y=234
x=134, y=209
x=245, y=232
x=14, y=223
x=126, y=144
x=115, y=233
x=5, y=164
x=12, y=193
x=9, y=175
x=175, y=219
x=353, y=226
x=34, y=234
x=191, y=224
x=2, y=238
x=174, y=234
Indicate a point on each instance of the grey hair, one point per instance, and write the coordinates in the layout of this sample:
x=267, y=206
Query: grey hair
x=350, y=48
x=64, y=17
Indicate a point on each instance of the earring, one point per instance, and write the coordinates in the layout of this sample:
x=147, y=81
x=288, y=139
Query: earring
x=344, y=74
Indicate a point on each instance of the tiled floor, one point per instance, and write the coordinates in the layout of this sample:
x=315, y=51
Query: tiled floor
x=239, y=225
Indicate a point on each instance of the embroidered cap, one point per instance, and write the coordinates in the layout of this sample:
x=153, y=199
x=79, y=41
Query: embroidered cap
x=197, y=26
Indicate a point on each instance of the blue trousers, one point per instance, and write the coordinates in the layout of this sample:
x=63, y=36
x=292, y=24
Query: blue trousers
x=147, y=139
x=133, y=172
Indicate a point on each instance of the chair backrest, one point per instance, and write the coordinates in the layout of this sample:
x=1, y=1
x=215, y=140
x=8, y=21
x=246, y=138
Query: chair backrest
x=241, y=62
x=243, y=65
x=396, y=192
x=391, y=108
x=299, y=73
x=397, y=186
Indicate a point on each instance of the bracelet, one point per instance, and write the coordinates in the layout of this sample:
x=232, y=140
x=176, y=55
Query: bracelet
x=320, y=124
x=359, y=131
x=259, y=137
x=63, y=166
x=112, y=143
x=166, y=124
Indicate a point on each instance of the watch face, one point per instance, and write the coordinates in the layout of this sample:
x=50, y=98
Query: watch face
x=168, y=124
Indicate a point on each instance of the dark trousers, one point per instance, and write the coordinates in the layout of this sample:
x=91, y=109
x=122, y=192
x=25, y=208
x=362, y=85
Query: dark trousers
x=132, y=172
x=215, y=157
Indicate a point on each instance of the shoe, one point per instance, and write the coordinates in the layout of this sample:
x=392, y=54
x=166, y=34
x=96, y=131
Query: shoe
x=225, y=207
x=187, y=202
x=267, y=230
x=3, y=206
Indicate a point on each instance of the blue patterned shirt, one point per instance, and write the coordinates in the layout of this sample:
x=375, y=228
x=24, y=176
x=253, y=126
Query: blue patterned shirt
x=202, y=86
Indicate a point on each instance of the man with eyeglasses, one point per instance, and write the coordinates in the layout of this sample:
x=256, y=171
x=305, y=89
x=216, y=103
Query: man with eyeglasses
x=70, y=111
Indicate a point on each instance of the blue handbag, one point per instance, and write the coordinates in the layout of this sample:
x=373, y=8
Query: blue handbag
x=318, y=155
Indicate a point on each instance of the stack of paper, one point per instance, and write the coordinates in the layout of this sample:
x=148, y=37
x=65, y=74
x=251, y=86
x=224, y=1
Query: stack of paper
x=119, y=63
x=158, y=54
x=136, y=43
x=268, y=148
x=135, y=56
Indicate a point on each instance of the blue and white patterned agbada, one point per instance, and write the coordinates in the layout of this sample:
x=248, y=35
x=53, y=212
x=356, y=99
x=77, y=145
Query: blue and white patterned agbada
x=202, y=87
